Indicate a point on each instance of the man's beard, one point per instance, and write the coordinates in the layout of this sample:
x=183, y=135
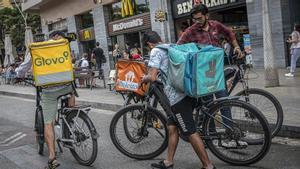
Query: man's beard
x=202, y=23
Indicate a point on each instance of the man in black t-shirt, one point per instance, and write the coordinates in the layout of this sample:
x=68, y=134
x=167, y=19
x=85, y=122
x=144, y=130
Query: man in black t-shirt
x=99, y=56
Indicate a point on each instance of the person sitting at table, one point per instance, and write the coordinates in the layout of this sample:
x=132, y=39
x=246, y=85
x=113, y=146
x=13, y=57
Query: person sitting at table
x=84, y=65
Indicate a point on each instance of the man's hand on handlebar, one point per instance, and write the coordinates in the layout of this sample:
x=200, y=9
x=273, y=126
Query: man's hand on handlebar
x=237, y=51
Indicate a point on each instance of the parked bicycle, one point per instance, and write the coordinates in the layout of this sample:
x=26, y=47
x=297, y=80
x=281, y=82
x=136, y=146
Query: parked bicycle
x=148, y=130
x=73, y=129
x=261, y=99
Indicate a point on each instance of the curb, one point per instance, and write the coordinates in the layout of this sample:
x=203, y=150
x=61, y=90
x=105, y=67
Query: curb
x=286, y=130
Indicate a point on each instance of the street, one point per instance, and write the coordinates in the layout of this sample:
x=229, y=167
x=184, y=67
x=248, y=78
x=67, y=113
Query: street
x=17, y=145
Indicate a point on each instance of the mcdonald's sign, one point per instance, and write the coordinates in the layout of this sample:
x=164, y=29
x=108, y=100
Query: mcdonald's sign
x=87, y=34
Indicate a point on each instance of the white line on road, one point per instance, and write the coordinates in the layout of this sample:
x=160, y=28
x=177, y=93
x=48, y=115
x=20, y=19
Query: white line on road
x=100, y=111
x=18, y=98
x=14, y=140
x=10, y=138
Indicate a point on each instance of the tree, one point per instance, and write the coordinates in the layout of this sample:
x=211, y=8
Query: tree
x=11, y=22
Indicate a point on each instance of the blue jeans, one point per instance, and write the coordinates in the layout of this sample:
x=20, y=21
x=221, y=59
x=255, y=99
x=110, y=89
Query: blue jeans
x=295, y=56
x=225, y=112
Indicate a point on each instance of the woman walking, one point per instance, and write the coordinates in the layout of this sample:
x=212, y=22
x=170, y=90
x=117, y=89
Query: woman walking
x=294, y=40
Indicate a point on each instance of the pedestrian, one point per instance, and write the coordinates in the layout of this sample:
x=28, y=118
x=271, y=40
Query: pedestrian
x=126, y=54
x=294, y=40
x=99, y=55
x=10, y=73
x=182, y=106
x=227, y=50
x=84, y=65
x=209, y=32
x=116, y=53
x=135, y=52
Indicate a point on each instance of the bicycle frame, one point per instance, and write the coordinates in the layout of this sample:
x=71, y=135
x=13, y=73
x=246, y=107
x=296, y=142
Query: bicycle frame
x=203, y=106
x=239, y=77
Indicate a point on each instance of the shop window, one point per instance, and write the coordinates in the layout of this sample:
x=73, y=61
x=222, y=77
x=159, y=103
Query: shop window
x=128, y=8
x=86, y=20
x=59, y=25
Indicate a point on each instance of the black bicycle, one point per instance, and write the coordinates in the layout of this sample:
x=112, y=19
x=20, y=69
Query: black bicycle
x=73, y=129
x=261, y=99
x=229, y=138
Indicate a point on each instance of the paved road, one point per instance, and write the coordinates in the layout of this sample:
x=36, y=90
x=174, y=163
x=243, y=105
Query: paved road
x=16, y=119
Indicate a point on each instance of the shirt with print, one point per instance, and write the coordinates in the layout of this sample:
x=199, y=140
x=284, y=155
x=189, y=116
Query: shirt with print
x=159, y=59
x=211, y=37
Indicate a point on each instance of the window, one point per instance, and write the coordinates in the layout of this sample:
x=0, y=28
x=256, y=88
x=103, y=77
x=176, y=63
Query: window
x=138, y=7
x=86, y=20
x=59, y=25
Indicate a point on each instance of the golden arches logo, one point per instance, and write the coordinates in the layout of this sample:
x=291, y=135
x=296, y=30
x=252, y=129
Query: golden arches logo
x=128, y=7
x=86, y=34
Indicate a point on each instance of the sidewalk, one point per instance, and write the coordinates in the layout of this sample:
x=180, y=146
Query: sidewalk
x=288, y=94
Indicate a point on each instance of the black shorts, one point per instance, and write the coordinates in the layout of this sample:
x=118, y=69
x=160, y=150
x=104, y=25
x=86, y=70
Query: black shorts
x=183, y=116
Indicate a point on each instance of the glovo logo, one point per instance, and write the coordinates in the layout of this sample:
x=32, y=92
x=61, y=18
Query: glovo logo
x=51, y=61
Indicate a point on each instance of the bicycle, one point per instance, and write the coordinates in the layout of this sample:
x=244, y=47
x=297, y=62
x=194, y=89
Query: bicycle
x=214, y=131
x=73, y=128
x=262, y=99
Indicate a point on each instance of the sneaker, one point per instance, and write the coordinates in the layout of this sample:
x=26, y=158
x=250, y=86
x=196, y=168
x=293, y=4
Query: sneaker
x=233, y=143
x=52, y=164
x=161, y=165
x=289, y=75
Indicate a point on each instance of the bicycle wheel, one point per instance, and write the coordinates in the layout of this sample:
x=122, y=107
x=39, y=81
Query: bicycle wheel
x=131, y=98
x=147, y=129
x=85, y=147
x=39, y=129
x=267, y=104
x=229, y=137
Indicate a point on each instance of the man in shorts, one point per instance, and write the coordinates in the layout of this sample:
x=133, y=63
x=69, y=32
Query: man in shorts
x=182, y=106
x=49, y=103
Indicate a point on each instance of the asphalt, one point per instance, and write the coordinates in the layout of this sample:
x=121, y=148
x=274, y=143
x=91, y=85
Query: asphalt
x=101, y=98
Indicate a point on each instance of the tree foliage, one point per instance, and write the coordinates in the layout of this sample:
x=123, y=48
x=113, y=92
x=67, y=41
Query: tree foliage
x=11, y=22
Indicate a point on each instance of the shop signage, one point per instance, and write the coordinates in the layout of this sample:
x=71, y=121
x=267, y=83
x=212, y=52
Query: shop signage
x=127, y=25
x=72, y=36
x=131, y=24
x=97, y=1
x=87, y=34
x=247, y=44
x=183, y=7
x=213, y=3
x=160, y=15
x=247, y=47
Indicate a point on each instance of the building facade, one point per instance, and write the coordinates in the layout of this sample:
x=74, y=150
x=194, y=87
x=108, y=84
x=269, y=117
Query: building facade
x=110, y=22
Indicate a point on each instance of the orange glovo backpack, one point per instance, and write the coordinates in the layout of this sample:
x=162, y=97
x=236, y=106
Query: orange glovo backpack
x=129, y=75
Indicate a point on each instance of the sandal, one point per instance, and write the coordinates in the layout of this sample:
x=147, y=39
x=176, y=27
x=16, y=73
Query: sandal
x=162, y=165
x=52, y=164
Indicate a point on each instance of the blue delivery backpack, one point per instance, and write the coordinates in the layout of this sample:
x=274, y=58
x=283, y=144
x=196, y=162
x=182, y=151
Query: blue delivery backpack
x=204, y=72
x=195, y=70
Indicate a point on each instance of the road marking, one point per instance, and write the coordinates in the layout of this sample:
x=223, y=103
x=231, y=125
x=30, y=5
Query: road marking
x=14, y=140
x=286, y=141
x=18, y=98
x=101, y=111
x=11, y=137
